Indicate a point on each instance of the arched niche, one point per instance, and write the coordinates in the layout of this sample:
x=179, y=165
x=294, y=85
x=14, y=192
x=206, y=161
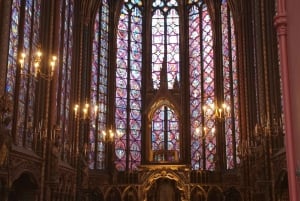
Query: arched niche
x=198, y=194
x=130, y=194
x=164, y=189
x=24, y=188
x=232, y=194
x=113, y=194
x=215, y=194
x=160, y=179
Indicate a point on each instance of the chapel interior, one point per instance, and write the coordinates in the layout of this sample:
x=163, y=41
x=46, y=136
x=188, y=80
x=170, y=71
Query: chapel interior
x=149, y=100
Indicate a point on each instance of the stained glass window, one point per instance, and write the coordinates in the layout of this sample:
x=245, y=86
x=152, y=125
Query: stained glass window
x=13, y=48
x=128, y=86
x=230, y=85
x=202, y=87
x=165, y=133
x=165, y=41
x=99, y=88
x=63, y=94
x=24, y=92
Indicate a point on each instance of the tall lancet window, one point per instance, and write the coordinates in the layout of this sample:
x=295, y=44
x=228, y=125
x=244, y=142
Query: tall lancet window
x=202, y=87
x=128, y=86
x=64, y=83
x=99, y=88
x=230, y=82
x=165, y=41
x=24, y=34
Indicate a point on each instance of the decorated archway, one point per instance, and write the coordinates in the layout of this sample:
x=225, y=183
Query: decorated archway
x=164, y=185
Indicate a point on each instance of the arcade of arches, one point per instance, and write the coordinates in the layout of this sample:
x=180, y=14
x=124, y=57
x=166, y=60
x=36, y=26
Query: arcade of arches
x=148, y=100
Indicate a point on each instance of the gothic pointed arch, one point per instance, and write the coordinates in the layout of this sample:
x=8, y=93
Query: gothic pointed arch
x=130, y=194
x=215, y=194
x=113, y=194
x=163, y=132
x=198, y=194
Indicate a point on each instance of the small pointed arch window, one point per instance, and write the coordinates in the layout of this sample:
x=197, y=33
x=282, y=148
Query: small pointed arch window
x=165, y=138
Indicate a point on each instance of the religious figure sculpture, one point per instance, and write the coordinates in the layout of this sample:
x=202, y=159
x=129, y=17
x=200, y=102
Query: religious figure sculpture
x=5, y=142
x=5, y=137
x=55, y=157
x=84, y=172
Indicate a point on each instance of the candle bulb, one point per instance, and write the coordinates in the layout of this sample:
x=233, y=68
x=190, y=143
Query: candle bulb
x=22, y=60
x=224, y=109
x=52, y=64
x=220, y=112
x=76, y=109
x=95, y=110
x=38, y=54
x=111, y=134
x=228, y=110
x=213, y=130
x=36, y=68
x=205, y=130
x=103, y=135
x=84, y=112
x=54, y=58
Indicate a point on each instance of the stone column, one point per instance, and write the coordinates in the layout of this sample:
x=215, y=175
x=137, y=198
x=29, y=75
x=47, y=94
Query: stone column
x=281, y=25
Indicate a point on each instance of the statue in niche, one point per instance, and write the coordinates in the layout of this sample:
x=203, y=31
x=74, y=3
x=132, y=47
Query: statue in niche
x=84, y=172
x=5, y=137
x=5, y=145
x=55, y=157
x=259, y=158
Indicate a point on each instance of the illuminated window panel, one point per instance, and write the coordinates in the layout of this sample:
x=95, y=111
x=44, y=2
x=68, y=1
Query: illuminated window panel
x=64, y=87
x=98, y=123
x=202, y=88
x=128, y=87
x=165, y=41
x=230, y=85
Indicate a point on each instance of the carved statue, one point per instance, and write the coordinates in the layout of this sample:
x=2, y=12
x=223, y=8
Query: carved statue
x=5, y=143
x=84, y=172
x=5, y=137
x=55, y=157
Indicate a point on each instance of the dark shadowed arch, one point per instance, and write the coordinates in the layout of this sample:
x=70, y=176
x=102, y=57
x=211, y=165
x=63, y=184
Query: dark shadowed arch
x=24, y=188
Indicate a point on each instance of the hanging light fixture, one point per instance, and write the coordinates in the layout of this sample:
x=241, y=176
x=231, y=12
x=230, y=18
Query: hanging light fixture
x=37, y=72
